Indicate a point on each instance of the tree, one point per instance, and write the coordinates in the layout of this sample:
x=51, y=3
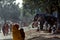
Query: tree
x=9, y=10
x=42, y=4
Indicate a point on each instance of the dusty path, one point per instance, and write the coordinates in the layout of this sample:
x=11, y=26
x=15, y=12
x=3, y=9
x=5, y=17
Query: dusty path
x=42, y=36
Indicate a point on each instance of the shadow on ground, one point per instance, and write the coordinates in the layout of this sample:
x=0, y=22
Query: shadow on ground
x=43, y=38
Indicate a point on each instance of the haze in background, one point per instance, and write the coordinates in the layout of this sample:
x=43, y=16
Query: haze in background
x=20, y=2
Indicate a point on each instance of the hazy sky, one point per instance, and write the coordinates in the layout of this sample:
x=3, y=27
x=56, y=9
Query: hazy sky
x=19, y=1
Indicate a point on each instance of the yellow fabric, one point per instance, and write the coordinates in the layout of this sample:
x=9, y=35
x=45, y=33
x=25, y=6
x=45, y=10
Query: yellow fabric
x=16, y=34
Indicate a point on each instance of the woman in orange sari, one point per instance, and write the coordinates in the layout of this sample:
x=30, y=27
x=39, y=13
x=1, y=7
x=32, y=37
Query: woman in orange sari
x=16, y=33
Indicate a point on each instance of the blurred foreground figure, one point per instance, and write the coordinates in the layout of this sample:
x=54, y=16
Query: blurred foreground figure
x=22, y=33
x=17, y=35
x=5, y=29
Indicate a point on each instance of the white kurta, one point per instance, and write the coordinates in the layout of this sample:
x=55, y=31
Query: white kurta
x=39, y=25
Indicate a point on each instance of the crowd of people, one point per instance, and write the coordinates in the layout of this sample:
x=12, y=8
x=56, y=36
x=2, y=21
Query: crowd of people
x=50, y=23
x=17, y=32
x=39, y=21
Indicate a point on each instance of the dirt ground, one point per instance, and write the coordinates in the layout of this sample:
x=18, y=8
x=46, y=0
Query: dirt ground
x=41, y=35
